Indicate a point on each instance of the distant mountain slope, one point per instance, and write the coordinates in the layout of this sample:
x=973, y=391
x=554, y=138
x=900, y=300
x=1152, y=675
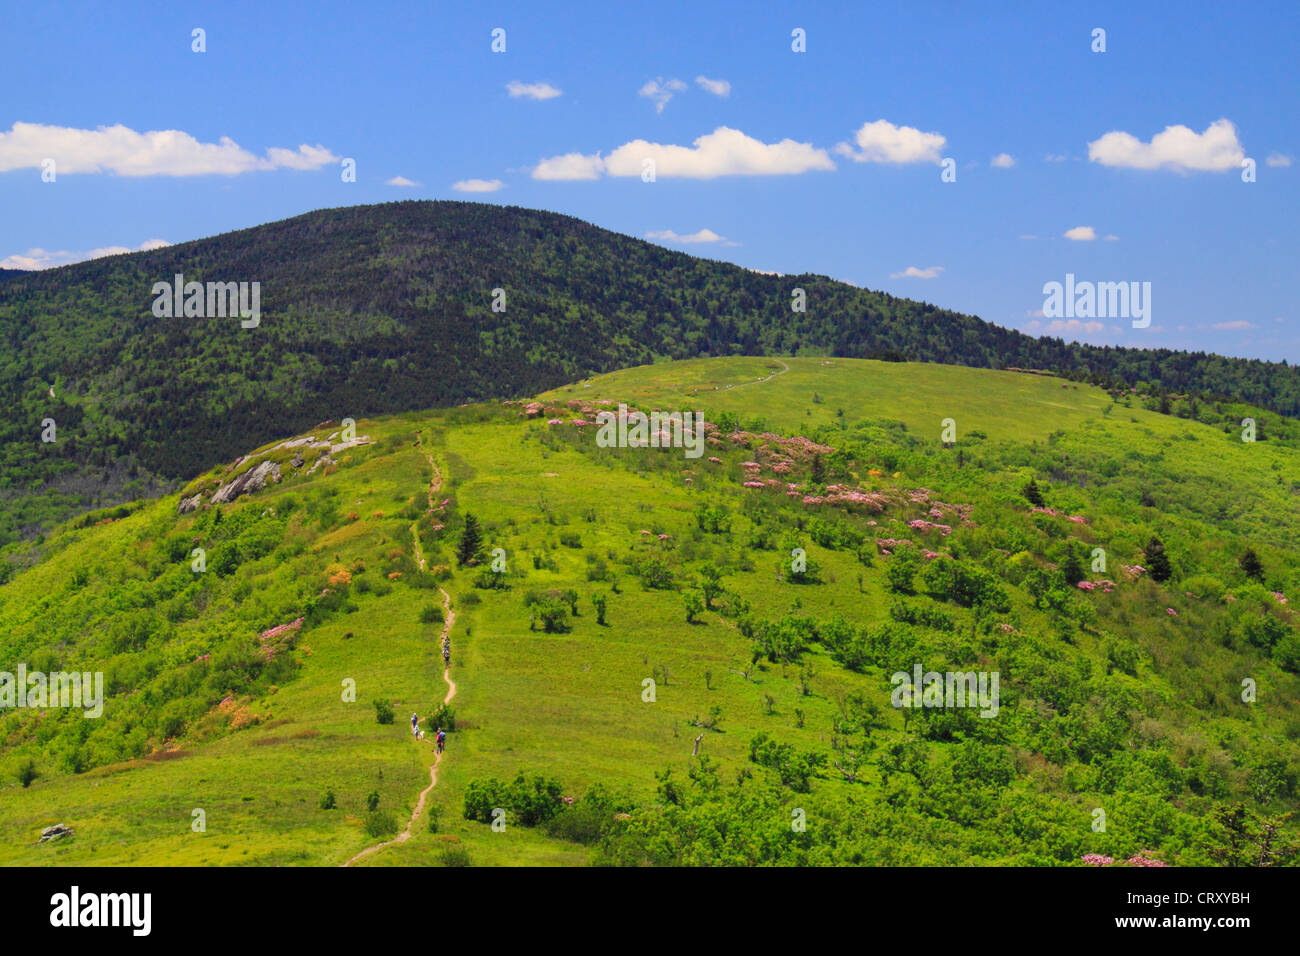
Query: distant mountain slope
x=383, y=308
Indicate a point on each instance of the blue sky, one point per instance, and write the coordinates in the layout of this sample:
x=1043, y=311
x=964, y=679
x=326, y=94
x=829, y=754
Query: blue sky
x=882, y=95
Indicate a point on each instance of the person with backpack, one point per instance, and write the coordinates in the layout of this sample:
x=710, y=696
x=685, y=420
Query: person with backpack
x=442, y=739
x=415, y=726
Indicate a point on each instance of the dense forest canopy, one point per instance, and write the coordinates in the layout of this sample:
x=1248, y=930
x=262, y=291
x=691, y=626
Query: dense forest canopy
x=383, y=308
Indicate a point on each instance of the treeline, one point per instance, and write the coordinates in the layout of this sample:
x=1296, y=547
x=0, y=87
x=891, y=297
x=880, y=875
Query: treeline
x=375, y=309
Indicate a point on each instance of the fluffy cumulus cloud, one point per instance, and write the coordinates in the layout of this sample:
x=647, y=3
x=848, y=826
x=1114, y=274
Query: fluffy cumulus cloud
x=1002, y=161
x=724, y=152
x=400, y=181
x=1081, y=234
x=659, y=91
x=118, y=149
x=44, y=259
x=532, y=91
x=913, y=272
x=570, y=166
x=716, y=87
x=667, y=235
x=477, y=185
x=883, y=142
x=1278, y=159
x=1176, y=148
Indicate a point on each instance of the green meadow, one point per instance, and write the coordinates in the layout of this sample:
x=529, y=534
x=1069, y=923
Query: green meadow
x=919, y=545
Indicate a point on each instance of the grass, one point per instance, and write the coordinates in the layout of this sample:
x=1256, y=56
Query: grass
x=570, y=705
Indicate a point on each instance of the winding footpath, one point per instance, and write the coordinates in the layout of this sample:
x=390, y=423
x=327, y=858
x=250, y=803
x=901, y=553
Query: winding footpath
x=449, y=620
x=759, y=381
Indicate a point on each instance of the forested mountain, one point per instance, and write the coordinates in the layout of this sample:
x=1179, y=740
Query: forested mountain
x=383, y=308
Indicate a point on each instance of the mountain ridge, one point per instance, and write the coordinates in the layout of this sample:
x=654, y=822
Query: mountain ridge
x=389, y=307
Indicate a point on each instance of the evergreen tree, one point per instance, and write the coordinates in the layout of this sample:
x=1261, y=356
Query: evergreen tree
x=470, y=549
x=1250, y=565
x=1157, y=561
x=1032, y=494
x=1072, y=566
x=818, y=470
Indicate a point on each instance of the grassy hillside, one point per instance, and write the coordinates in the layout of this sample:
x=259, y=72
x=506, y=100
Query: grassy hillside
x=378, y=309
x=1125, y=697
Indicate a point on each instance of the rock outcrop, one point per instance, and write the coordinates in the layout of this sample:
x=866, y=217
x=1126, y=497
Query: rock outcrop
x=252, y=480
x=56, y=832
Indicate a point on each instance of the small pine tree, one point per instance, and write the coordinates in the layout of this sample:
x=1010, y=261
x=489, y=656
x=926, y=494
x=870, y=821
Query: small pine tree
x=470, y=549
x=1250, y=565
x=1157, y=561
x=1072, y=566
x=1032, y=494
x=818, y=470
x=598, y=601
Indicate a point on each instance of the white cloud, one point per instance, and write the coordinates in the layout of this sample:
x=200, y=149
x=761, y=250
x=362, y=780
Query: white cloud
x=1002, y=161
x=1081, y=233
x=883, y=142
x=1176, y=148
x=1278, y=159
x=570, y=166
x=724, y=152
x=118, y=149
x=1112, y=238
x=660, y=91
x=400, y=181
x=667, y=235
x=1238, y=324
x=1066, y=327
x=43, y=259
x=477, y=185
x=716, y=87
x=912, y=272
x=533, y=91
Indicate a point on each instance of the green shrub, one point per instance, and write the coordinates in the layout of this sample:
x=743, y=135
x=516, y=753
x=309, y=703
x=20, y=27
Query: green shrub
x=381, y=824
x=442, y=716
x=383, y=712
x=455, y=856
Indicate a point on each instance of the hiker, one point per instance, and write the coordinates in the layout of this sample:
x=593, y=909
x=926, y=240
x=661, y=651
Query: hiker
x=415, y=726
x=446, y=657
x=442, y=739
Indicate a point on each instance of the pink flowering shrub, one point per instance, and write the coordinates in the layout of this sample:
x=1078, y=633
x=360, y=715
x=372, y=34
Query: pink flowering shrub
x=1145, y=859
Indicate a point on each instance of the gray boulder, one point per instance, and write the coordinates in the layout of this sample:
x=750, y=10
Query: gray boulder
x=252, y=480
x=56, y=832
